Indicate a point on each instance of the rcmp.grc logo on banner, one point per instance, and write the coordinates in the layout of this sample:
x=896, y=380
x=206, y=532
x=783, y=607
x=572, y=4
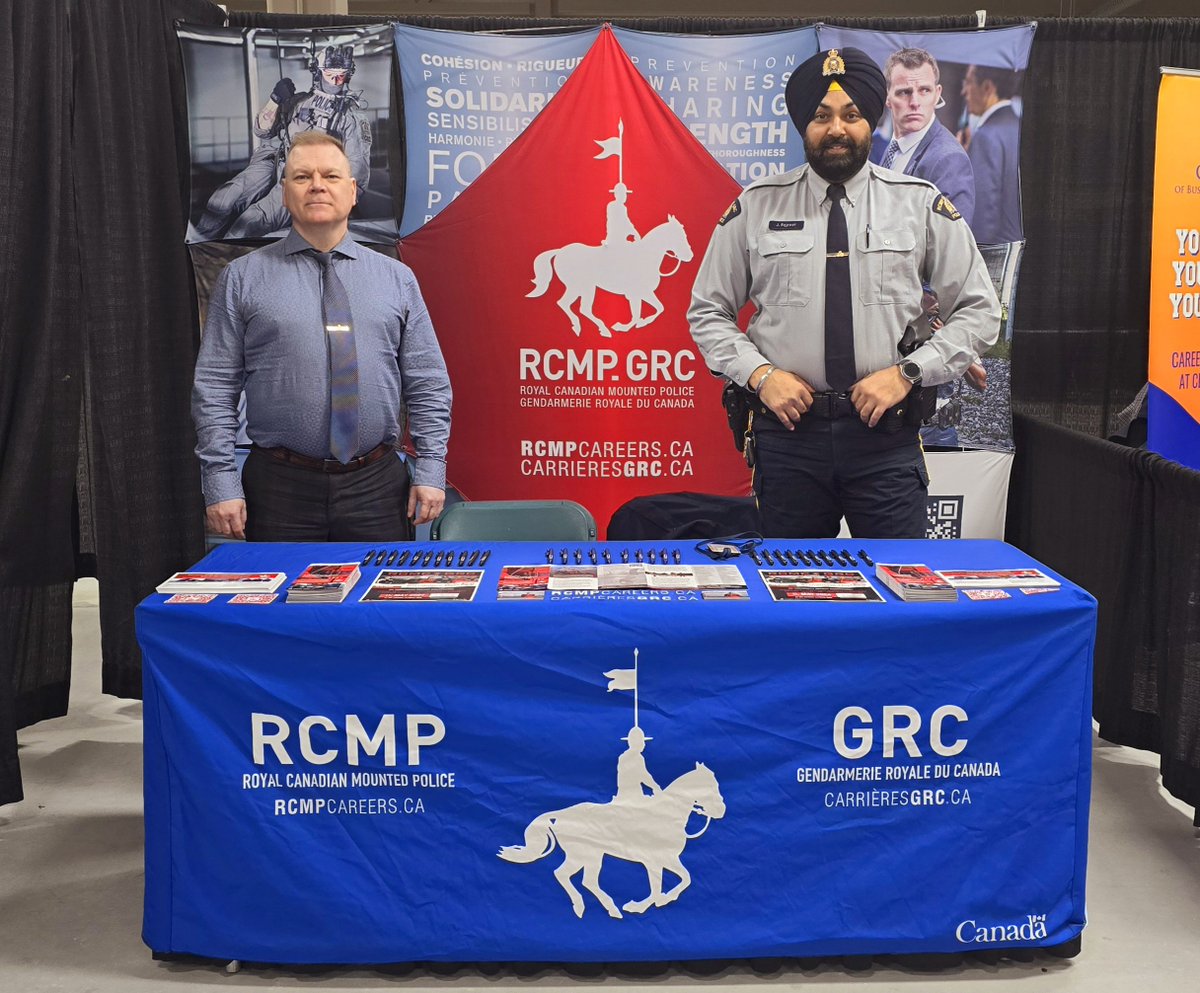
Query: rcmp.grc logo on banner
x=563, y=318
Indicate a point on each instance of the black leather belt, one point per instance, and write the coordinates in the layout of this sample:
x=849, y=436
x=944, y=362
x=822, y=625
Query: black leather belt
x=287, y=456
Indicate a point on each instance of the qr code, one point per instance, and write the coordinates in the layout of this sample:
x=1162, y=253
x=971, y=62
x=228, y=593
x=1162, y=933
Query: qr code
x=944, y=515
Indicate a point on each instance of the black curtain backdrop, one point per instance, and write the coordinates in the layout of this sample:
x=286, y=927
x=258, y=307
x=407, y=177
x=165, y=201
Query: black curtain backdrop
x=97, y=338
x=99, y=329
x=1087, y=166
x=129, y=144
x=40, y=381
x=1122, y=523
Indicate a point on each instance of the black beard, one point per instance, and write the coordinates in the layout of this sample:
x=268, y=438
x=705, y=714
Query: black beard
x=830, y=160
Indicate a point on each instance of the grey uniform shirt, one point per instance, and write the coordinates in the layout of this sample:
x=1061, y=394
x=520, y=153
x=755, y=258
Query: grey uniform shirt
x=769, y=249
x=265, y=333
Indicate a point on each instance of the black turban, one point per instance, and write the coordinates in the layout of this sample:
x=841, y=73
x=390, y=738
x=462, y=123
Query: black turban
x=850, y=68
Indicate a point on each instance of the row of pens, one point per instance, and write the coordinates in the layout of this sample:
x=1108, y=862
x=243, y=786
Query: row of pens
x=832, y=558
x=420, y=558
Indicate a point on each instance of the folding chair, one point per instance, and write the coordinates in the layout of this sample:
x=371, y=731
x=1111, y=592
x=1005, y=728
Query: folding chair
x=514, y=520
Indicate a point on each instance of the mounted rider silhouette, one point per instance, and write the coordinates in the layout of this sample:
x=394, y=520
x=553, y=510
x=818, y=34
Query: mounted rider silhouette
x=619, y=228
x=632, y=774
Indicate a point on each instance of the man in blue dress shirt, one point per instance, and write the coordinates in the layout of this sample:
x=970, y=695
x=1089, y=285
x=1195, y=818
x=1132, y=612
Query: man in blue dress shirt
x=324, y=427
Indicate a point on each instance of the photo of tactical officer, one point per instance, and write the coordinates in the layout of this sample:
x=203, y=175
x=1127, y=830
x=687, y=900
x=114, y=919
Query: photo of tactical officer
x=251, y=91
x=250, y=205
x=833, y=255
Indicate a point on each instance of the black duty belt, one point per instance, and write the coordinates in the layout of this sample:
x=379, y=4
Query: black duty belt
x=830, y=406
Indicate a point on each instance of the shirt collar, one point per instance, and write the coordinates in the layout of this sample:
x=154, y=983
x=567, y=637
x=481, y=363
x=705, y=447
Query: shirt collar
x=856, y=186
x=294, y=243
x=992, y=109
x=908, y=142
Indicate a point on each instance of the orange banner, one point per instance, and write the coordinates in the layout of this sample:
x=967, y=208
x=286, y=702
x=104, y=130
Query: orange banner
x=1174, y=401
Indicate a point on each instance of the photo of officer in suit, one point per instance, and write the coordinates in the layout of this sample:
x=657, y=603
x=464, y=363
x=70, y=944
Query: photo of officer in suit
x=994, y=146
x=921, y=145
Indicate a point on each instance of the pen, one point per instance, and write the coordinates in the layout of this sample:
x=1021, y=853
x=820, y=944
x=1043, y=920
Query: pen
x=427, y=558
x=462, y=558
x=862, y=554
x=592, y=555
x=485, y=556
x=392, y=558
x=550, y=555
x=474, y=556
x=403, y=556
x=868, y=235
x=607, y=557
x=578, y=557
x=652, y=556
x=370, y=555
x=675, y=554
x=381, y=556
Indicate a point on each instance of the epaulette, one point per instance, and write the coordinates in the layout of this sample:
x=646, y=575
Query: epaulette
x=893, y=178
x=789, y=178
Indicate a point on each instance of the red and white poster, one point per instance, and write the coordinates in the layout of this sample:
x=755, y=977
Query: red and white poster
x=559, y=283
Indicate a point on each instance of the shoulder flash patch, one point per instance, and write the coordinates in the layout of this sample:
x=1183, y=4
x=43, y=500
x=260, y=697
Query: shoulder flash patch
x=731, y=212
x=943, y=206
x=365, y=131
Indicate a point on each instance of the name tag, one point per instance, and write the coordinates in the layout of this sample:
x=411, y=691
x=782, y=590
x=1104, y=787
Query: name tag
x=785, y=225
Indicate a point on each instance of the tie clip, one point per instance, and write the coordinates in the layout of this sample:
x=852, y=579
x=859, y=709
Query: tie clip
x=837, y=255
x=337, y=327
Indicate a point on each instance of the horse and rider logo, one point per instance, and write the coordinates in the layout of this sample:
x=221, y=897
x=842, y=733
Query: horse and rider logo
x=650, y=829
x=625, y=263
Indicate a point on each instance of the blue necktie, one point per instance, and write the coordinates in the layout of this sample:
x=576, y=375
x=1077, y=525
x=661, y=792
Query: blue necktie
x=343, y=362
x=889, y=156
x=840, y=369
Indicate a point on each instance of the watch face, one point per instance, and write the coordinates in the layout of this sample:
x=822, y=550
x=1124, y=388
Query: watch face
x=910, y=371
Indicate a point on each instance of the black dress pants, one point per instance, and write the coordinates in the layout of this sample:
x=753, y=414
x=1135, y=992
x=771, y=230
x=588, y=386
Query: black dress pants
x=290, y=503
x=807, y=479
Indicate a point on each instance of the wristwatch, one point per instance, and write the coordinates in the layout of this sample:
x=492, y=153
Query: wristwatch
x=910, y=371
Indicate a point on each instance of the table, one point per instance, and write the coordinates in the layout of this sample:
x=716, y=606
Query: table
x=437, y=781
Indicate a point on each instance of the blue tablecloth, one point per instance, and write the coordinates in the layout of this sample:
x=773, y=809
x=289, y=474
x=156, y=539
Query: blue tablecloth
x=373, y=782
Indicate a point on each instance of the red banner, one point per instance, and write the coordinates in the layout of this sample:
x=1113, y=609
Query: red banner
x=559, y=283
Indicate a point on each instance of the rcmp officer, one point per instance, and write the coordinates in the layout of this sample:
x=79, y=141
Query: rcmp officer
x=833, y=256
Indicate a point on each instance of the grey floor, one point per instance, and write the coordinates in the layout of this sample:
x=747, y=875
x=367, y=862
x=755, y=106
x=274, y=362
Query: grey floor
x=71, y=887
